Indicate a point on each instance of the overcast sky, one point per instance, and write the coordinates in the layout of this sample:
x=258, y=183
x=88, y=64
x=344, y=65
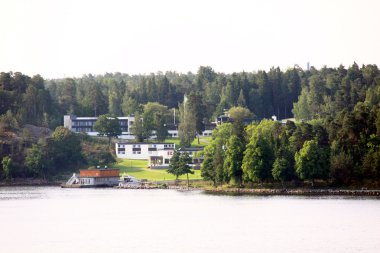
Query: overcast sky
x=71, y=38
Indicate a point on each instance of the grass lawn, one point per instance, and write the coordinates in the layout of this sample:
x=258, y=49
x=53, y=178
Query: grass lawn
x=138, y=169
x=203, y=141
x=172, y=140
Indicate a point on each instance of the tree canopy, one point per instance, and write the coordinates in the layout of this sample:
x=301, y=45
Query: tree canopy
x=107, y=125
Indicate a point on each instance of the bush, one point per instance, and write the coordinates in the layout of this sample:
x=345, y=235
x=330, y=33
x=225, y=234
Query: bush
x=8, y=122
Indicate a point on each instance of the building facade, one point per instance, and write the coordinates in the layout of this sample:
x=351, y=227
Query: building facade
x=196, y=160
x=86, y=125
x=95, y=178
x=157, y=154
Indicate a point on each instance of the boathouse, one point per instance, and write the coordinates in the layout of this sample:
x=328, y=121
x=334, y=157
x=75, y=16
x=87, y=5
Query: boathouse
x=99, y=177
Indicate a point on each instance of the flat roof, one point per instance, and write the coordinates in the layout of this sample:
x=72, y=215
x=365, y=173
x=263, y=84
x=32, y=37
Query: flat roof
x=191, y=149
x=142, y=143
x=73, y=117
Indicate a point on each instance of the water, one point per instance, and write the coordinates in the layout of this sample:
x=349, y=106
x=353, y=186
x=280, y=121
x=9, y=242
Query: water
x=51, y=219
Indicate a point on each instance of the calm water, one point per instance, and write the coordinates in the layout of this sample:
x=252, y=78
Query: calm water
x=54, y=220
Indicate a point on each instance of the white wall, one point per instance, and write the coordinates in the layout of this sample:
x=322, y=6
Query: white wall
x=126, y=150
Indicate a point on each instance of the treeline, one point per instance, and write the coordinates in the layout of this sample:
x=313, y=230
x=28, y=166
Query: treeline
x=325, y=92
x=265, y=94
x=337, y=137
x=27, y=100
x=344, y=101
x=270, y=151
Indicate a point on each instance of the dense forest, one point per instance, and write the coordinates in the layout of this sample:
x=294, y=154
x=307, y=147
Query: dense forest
x=337, y=111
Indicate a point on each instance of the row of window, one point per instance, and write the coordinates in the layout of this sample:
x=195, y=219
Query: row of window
x=82, y=129
x=104, y=179
x=83, y=123
x=85, y=181
x=149, y=147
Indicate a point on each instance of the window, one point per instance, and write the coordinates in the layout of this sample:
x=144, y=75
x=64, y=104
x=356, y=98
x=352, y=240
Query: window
x=166, y=161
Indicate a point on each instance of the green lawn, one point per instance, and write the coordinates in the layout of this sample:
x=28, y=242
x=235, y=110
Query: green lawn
x=203, y=141
x=138, y=169
x=172, y=140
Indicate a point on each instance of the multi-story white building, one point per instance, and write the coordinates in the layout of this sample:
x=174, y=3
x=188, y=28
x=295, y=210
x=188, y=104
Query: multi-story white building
x=86, y=124
x=158, y=154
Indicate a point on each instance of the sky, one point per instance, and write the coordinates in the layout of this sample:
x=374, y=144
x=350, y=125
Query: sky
x=66, y=38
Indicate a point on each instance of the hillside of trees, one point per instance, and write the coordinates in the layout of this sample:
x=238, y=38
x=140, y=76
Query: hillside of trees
x=339, y=108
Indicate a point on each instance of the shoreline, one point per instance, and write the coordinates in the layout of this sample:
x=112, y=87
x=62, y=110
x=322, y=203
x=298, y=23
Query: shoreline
x=30, y=182
x=294, y=192
x=220, y=191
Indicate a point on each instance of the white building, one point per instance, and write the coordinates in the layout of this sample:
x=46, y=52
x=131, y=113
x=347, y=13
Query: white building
x=158, y=154
x=195, y=160
x=86, y=125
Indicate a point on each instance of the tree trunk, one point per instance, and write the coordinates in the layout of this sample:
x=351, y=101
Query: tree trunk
x=187, y=175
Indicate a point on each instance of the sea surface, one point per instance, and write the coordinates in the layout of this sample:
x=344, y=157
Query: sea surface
x=54, y=220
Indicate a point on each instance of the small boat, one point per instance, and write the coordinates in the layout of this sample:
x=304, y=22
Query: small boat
x=129, y=181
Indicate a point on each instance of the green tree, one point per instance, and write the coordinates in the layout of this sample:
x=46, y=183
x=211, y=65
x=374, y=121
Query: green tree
x=212, y=167
x=233, y=160
x=259, y=154
x=39, y=160
x=7, y=167
x=155, y=117
x=239, y=113
x=8, y=122
x=115, y=95
x=257, y=161
x=301, y=108
x=129, y=105
x=371, y=160
x=137, y=128
x=179, y=165
x=184, y=168
x=192, y=118
x=312, y=162
x=66, y=148
x=174, y=166
x=208, y=171
x=241, y=99
x=187, y=128
x=280, y=169
x=107, y=125
x=342, y=167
